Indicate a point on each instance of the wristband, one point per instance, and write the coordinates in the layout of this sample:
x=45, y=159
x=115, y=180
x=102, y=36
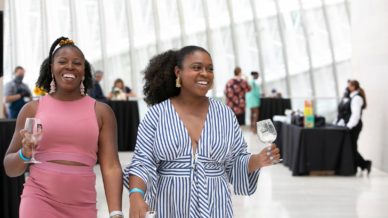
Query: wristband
x=138, y=190
x=22, y=156
x=116, y=213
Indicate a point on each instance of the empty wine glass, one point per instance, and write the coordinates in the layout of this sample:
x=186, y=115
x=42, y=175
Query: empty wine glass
x=33, y=127
x=267, y=134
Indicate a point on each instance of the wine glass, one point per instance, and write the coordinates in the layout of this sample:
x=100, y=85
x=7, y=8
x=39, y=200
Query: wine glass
x=33, y=127
x=267, y=134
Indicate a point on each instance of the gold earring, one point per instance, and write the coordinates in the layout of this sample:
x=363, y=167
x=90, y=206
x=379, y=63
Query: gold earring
x=178, y=82
x=82, y=87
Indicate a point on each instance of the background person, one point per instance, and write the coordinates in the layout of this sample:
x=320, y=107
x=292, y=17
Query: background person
x=235, y=91
x=17, y=93
x=120, y=91
x=350, y=114
x=253, y=100
x=96, y=90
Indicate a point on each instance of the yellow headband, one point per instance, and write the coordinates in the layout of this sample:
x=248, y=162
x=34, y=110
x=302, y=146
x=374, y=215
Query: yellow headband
x=66, y=42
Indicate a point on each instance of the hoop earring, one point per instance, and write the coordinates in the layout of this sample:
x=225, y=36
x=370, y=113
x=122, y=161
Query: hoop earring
x=53, y=87
x=82, y=87
x=178, y=82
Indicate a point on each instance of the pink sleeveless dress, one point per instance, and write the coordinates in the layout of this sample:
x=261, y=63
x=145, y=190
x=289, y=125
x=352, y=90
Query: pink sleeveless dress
x=70, y=132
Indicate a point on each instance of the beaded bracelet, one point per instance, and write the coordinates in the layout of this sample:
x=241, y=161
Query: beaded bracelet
x=22, y=156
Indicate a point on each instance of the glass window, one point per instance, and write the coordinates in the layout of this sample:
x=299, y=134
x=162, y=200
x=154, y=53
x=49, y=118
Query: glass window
x=58, y=25
x=344, y=74
x=194, y=23
x=340, y=31
x=319, y=37
x=170, y=33
x=143, y=23
x=271, y=43
x=324, y=82
x=88, y=36
x=222, y=47
x=297, y=55
x=265, y=8
x=117, y=63
x=247, y=48
x=27, y=39
x=223, y=58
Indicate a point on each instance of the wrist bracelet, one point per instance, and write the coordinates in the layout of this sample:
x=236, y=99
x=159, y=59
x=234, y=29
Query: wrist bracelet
x=22, y=156
x=138, y=190
x=116, y=213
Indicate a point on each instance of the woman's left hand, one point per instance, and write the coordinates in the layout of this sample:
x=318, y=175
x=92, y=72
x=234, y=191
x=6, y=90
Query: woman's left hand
x=268, y=156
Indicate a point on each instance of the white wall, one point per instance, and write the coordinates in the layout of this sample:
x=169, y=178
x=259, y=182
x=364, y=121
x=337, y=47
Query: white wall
x=370, y=67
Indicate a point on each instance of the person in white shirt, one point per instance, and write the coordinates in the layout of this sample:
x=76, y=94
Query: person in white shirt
x=349, y=115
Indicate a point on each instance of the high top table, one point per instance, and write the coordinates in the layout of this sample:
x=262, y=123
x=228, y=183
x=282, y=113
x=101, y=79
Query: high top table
x=323, y=149
x=273, y=106
x=127, y=116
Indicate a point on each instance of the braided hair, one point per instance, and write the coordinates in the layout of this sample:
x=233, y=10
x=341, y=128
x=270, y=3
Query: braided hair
x=45, y=73
x=160, y=76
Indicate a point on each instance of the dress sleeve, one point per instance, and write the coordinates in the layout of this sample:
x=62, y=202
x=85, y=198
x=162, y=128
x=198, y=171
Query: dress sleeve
x=144, y=163
x=244, y=183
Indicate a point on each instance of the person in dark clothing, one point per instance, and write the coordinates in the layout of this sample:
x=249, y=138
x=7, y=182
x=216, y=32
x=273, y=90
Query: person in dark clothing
x=17, y=93
x=96, y=91
x=349, y=115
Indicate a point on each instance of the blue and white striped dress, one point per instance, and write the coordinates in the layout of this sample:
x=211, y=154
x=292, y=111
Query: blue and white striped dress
x=181, y=184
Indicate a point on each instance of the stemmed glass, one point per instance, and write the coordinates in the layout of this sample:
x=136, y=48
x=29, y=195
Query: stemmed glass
x=267, y=134
x=33, y=127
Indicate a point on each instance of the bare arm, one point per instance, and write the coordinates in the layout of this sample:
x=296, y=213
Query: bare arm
x=131, y=94
x=13, y=165
x=138, y=207
x=12, y=98
x=108, y=156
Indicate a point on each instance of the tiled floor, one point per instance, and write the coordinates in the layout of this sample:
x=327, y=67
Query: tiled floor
x=280, y=195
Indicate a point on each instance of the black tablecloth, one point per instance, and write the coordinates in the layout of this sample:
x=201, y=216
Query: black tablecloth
x=316, y=149
x=11, y=188
x=273, y=106
x=127, y=115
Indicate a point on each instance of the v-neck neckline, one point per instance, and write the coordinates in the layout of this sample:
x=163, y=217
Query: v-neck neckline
x=204, y=125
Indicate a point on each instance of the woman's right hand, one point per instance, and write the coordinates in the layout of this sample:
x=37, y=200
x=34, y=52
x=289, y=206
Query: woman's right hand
x=138, y=207
x=27, y=143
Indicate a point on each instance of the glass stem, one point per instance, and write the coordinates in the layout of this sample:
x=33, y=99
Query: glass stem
x=33, y=152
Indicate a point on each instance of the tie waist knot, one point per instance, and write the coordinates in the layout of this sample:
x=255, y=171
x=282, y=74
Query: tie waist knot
x=183, y=166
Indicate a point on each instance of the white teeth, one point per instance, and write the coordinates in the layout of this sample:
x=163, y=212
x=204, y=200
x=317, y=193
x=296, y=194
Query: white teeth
x=68, y=75
x=202, y=82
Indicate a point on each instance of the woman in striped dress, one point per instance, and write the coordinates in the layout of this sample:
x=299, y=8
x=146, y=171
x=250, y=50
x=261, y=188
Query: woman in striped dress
x=189, y=147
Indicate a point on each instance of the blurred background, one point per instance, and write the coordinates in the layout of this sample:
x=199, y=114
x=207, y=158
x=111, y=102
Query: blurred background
x=302, y=48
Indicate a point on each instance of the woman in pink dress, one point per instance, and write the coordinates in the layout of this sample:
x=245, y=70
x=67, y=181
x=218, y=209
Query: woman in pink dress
x=76, y=131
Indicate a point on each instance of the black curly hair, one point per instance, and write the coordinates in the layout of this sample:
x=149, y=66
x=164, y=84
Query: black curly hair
x=160, y=77
x=45, y=74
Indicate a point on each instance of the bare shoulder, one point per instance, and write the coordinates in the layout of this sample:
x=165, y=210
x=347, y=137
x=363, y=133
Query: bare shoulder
x=30, y=108
x=103, y=110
